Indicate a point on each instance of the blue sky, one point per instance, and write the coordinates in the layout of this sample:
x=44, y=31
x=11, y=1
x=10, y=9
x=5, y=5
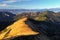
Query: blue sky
x=29, y=4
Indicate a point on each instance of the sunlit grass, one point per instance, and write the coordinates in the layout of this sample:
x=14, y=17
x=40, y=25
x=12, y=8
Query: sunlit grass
x=18, y=28
x=41, y=17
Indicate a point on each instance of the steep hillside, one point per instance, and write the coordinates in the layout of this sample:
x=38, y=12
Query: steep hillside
x=46, y=23
x=18, y=28
x=6, y=16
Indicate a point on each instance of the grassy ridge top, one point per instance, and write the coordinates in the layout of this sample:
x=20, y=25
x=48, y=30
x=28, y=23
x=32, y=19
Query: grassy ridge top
x=18, y=28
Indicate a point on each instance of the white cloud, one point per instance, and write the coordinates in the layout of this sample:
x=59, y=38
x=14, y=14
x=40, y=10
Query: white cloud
x=24, y=0
x=12, y=1
x=3, y=5
x=9, y=1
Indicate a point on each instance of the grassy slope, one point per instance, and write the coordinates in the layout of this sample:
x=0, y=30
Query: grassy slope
x=18, y=28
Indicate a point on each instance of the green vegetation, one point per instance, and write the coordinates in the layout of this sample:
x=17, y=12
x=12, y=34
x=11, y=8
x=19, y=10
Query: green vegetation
x=41, y=17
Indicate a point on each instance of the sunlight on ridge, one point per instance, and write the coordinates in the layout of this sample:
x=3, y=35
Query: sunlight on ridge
x=18, y=28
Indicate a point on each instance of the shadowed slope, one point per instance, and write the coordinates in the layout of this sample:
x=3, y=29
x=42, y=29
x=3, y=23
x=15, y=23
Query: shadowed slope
x=6, y=18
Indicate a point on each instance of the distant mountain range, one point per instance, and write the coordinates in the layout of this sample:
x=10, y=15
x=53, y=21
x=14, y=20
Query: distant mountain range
x=31, y=10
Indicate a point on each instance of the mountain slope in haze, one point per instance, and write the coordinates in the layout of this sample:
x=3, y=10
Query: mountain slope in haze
x=18, y=28
x=40, y=15
x=6, y=16
x=52, y=16
x=31, y=10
